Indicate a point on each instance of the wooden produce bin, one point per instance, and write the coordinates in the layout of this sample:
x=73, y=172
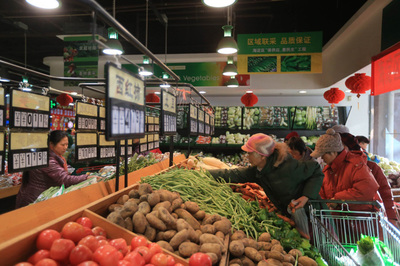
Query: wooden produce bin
x=22, y=220
x=135, y=176
x=9, y=191
x=20, y=248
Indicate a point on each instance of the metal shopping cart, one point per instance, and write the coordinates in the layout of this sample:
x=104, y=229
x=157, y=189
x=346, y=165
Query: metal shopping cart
x=336, y=232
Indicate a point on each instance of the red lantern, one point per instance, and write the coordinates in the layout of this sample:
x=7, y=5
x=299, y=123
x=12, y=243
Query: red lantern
x=359, y=83
x=152, y=98
x=334, y=95
x=64, y=99
x=249, y=99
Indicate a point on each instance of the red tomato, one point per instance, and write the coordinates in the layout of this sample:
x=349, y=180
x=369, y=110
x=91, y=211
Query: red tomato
x=85, y=221
x=88, y=263
x=145, y=252
x=125, y=263
x=159, y=259
x=99, y=231
x=154, y=248
x=135, y=258
x=149, y=264
x=106, y=255
x=138, y=241
x=46, y=238
x=73, y=231
x=178, y=264
x=200, y=259
x=100, y=237
x=103, y=242
x=23, y=264
x=88, y=231
x=41, y=254
x=120, y=245
x=46, y=262
x=61, y=248
x=91, y=242
x=170, y=260
x=79, y=254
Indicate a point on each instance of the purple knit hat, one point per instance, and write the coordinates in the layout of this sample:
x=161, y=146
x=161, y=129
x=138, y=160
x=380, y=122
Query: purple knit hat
x=261, y=144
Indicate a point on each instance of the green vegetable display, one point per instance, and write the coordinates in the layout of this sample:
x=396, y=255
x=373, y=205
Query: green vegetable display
x=261, y=64
x=296, y=63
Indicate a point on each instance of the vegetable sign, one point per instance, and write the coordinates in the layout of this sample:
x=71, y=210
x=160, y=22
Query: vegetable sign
x=298, y=52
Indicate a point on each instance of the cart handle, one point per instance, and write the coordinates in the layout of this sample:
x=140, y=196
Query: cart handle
x=375, y=203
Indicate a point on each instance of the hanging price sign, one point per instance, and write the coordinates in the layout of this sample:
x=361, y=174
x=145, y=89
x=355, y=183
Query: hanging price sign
x=85, y=146
x=86, y=116
x=212, y=125
x=2, y=151
x=168, y=113
x=125, y=106
x=200, y=118
x=207, y=128
x=193, y=110
x=28, y=151
x=2, y=108
x=102, y=119
x=130, y=147
x=29, y=110
x=106, y=148
x=143, y=144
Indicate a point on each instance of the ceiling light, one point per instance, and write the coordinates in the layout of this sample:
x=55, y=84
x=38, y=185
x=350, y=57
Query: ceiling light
x=202, y=92
x=230, y=69
x=27, y=89
x=348, y=91
x=114, y=47
x=165, y=85
x=302, y=91
x=4, y=80
x=227, y=45
x=146, y=69
x=249, y=91
x=218, y=3
x=74, y=93
x=157, y=92
x=46, y=4
x=232, y=83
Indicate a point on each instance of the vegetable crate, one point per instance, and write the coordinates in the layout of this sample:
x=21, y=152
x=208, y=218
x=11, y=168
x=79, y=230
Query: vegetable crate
x=336, y=232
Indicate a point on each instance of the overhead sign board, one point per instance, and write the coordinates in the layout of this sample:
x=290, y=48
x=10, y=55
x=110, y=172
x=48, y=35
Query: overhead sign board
x=29, y=110
x=168, y=113
x=125, y=108
x=85, y=146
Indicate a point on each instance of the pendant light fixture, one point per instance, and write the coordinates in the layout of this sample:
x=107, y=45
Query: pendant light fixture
x=165, y=85
x=230, y=69
x=232, y=82
x=227, y=45
x=146, y=69
x=218, y=3
x=114, y=47
x=45, y=4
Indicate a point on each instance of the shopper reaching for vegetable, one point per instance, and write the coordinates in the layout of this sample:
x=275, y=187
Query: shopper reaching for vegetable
x=36, y=181
x=282, y=177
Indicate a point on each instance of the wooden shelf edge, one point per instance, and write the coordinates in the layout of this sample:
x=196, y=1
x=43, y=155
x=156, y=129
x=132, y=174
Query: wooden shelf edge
x=9, y=191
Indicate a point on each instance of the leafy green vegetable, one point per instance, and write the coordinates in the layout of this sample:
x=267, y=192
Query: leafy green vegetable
x=365, y=245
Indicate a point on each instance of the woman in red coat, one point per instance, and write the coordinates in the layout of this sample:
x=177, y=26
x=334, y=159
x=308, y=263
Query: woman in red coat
x=347, y=176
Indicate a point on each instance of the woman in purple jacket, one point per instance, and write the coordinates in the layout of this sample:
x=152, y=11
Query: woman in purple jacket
x=34, y=182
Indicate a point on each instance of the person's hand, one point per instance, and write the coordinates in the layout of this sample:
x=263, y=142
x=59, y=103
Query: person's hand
x=96, y=176
x=331, y=205
x=298, y=204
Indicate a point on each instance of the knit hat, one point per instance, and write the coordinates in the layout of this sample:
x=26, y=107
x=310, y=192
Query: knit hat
x=350, y=141
x=260, y=143
x=341, y=129
x=330, y=142
x=291, y=134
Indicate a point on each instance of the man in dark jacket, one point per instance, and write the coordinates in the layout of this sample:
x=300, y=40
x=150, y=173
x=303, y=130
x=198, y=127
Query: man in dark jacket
x=282, y=177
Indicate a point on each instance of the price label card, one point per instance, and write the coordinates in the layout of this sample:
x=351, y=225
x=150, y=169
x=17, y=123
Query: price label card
x=125, y=106
x=207, y=118
x=143, y=140
x=86, y=146
x=201, y=128
x=29, y=110
x=168, y=113
x=102, y=119
x=27, y=151
x=106, y=148
x=193, y=127
x=2, y=108
x=130, y=147
x=200, y=116
x=193, y=111
x=168, y=102
x=86, y=116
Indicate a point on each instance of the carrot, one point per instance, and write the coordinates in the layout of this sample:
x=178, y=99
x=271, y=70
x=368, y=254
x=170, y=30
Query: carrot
x=246, y=197
x=286, y=219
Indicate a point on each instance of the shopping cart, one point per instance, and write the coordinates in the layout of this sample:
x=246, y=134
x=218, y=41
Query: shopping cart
x=336, y=232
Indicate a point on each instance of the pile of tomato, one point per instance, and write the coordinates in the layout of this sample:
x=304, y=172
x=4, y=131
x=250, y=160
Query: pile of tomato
x=79, y=243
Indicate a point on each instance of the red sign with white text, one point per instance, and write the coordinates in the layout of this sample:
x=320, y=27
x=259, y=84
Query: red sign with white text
x=385, y=71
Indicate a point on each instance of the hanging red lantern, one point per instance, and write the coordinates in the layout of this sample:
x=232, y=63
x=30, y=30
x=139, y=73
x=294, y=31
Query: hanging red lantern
x=152, y=98
x=249, y=99
x=359, y=83
x=64, y=99
x=334, y=96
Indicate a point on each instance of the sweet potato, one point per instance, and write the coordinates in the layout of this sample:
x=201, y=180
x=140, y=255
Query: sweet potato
x=182, y=224
x=176, y=203
x=211, y=248
x=246, y=261
x=179, y=238
x=213, y=257
x=199, y=215
x=192, y=207
x=239, y=234
x=159, y=236
x=263, y=263
x=289, y=258
x=306, y=261
x=236, y=248
x=145, y=188
x=275, y=255
x=174, y=196
x=144, y=207
x=252, y=254
x=155, y=222
x=248, y=242
x=150, y=233
x=165, y=204
x=209, y=238
x=175, y=216
x=128, y=209
x=168, y=235
x=210, y=219
x=114, y=207
x=295, y=252
x=134, y=193
x=236, y=261
x=208, y=228
x=153, y=199
x=166, y=217
x=220, y=235
x=263, y=254
x=224, y=226
x=193, y=236
x=264, y=237
x=275, y=242
x=116, y=218
x=165, y=245
x=187, y=249
x=264, y=245
x=128, y=223
x=277, y=248
x=273, y=262
x=139, y=223
x=121, y=200
x=188, y=218
x=285, y=263
x=165, y=195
